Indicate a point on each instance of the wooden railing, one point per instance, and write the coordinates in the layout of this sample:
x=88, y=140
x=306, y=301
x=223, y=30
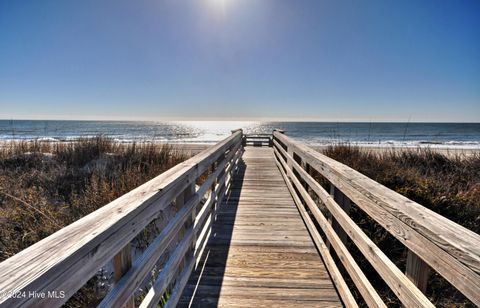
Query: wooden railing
x=49, y=272
x=433, y=242
x=258, y=140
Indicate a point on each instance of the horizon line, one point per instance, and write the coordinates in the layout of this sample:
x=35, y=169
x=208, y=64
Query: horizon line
x=173, y=119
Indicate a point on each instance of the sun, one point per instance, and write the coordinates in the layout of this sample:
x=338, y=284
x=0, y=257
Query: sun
x=219, y=4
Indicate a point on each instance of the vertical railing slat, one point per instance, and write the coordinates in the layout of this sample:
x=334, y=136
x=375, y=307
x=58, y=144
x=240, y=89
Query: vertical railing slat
x=345, y=204
x=417, y=271
x=122, y=262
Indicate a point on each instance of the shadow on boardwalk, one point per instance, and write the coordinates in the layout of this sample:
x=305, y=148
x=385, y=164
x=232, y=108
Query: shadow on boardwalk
x=211, y=268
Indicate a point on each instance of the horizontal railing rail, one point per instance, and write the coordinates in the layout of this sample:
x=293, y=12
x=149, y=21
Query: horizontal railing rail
x=432, y=240
x=258, y=140
x=64, y=261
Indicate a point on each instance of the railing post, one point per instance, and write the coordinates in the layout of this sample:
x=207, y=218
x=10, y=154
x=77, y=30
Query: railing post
x=215, y=204
x=187, y=194
x=276, y=130
x=305, y=167
x=243, y=139
x=345, y=204
x=289, y=150
x=417, y=271
x=180, y=201
x=236, y=130
x=215, y=181
x=122, y=262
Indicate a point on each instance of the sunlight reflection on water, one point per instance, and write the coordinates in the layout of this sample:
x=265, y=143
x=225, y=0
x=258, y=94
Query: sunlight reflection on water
x=450, y=135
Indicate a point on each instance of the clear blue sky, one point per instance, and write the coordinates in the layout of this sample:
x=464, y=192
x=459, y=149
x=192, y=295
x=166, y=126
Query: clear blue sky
x=241, y=59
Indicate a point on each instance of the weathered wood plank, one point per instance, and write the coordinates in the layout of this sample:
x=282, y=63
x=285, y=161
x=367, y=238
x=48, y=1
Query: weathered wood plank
x=448, y=248
x=143, y=265
x=242, y=302
x=167, y=274
x=335, y=273
x=68, y=258
x=122, y=262
x=397, y=281
x=369, y=294
x=417, y=271
x=258, y=244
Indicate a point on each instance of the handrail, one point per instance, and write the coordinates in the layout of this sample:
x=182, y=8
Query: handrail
x=66, y=260
x=258, y=140
x=432, y=240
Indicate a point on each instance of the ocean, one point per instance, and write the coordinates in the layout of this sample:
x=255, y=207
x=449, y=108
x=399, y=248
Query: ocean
x=439, y=135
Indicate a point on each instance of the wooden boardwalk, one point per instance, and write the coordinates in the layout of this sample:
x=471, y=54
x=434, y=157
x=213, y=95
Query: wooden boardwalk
x=259, y=253
x=267, y=244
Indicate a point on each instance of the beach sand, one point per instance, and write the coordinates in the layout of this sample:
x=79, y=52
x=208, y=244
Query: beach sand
x=192, y=149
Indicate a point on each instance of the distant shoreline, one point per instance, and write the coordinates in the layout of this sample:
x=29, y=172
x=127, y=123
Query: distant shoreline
x=455, y=136
x=194, y=148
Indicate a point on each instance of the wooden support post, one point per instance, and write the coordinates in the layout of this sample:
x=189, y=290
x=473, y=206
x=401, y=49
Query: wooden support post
x=122, y=262
x=243, y=137
x=215, y=181
x=291, y=154
x=183, y=198
x=276, y=130
x=187, y=194
x=417, y=271
x=329, y=215
x=305, y=167
x=216, y=204
x=179, y=201
x=345, y=204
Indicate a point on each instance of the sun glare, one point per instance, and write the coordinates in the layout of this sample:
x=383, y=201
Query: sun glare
x=219, y=4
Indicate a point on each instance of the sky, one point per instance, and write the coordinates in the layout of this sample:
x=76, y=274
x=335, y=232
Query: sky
x=241, y=60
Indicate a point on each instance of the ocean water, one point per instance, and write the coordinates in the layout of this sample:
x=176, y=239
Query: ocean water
x=440, y=135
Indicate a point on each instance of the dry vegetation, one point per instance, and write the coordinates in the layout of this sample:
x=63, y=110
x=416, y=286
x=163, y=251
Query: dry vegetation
x=46, y=186
x=448, y=185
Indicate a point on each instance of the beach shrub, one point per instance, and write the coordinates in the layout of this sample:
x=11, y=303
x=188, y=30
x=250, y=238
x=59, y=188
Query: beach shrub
x=47, y=186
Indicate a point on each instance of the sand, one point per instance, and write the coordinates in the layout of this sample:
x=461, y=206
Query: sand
x=193, y=149
x=450, y=152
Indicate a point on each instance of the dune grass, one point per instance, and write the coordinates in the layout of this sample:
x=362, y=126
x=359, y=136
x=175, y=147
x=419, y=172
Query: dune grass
x=47, y=186
x=448, y=185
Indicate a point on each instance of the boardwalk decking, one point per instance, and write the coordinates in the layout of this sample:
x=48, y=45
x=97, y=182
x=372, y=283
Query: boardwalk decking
x=259, y=253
